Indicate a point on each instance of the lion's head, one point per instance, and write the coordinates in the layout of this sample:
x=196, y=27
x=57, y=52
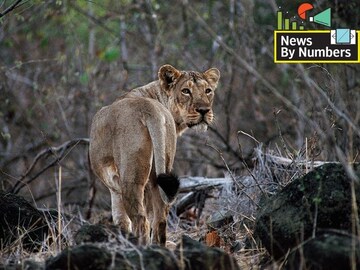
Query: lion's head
x=191, y=95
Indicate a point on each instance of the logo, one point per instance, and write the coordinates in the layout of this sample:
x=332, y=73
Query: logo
x=293, y=43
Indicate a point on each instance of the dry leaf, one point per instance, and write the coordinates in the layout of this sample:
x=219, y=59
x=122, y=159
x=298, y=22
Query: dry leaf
x=212, y=239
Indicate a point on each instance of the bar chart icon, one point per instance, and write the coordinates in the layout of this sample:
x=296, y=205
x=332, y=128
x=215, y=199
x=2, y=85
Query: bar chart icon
x=286, y=24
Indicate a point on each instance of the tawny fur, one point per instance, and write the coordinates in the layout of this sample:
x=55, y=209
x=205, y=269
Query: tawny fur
x=133, y=141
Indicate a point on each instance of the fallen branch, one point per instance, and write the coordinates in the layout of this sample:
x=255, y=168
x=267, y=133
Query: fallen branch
x=193, y=185
x=287, y=161
x=185, y=202
x=200, y=183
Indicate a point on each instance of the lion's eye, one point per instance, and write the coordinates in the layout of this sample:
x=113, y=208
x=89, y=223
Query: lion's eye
x=186, y=91
x=208, y=91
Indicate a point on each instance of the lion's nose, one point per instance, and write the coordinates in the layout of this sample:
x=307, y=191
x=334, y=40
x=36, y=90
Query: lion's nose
x=203, y=110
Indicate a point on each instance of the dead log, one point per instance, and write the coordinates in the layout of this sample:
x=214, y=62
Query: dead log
x=185, y=202
x=188, y=184
x=197, y=189
x=301, y=162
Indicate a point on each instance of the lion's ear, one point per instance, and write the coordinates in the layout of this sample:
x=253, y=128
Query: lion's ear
x=167, y=75
x=212, y=76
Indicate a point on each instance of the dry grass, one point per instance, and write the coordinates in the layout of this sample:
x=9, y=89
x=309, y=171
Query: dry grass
x=271, y=173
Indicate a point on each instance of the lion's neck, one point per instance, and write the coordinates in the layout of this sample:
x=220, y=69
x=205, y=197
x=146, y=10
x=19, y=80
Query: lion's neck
x=153, y=90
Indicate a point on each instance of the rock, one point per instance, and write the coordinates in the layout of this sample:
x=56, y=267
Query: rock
x=89, y=256
x=98, y=233
x=81, y=257
x=236, y=246
x=329, y=251
x=196, y=256
x=149, y=258
x=20, y=220
x=287, y=218
x=91, y=233
x=219, y=219
x=190, y=254
x=18, y=264
x=31, y=265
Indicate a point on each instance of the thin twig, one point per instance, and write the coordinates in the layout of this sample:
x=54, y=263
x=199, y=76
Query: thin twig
x=10, y=8
x=59, y=209
x=285, y=146
x=248, y=135
x=242, y=187
x=341, y=113
x=246, y=166
x=91, y=17
x=59, y=153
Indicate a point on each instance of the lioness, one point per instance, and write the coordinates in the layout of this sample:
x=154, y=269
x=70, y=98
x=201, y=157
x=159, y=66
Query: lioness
x=133, y=144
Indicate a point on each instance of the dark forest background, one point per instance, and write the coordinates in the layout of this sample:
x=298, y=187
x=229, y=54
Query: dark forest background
x=62, y=60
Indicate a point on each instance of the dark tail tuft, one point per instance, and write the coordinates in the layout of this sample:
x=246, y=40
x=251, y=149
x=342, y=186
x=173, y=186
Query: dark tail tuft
x=169, y=185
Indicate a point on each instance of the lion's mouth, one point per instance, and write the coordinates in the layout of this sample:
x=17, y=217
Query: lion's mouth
x=201, y=122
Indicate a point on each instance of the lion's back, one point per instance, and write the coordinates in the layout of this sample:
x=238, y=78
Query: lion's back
x=126, y=124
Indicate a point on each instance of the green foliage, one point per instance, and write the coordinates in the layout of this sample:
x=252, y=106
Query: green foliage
x=110, y=54
x=84, y=78
x=317, y=200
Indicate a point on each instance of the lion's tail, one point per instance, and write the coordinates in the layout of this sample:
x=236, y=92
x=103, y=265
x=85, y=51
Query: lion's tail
x=168, y=182
x=169, y=186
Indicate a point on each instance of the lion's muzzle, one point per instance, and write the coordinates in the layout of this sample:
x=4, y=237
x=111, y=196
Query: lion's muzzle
x=201, y=116
x=203, y=111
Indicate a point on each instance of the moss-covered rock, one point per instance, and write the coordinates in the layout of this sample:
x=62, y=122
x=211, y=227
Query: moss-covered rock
x=81, y=257
x=99, y=233
x=219, y=219
x=328, y=251
x=19, y=220
x=319, y=200
x=189, y=254
x=151, y=258
x=196, y=256
x=91, y=233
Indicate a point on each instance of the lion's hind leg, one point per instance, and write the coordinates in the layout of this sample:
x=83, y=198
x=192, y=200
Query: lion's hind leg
x=134, y=206
x=134, y=178
x=164, y=191
x=110, y=177
x=119, y=215
x=160, y=212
